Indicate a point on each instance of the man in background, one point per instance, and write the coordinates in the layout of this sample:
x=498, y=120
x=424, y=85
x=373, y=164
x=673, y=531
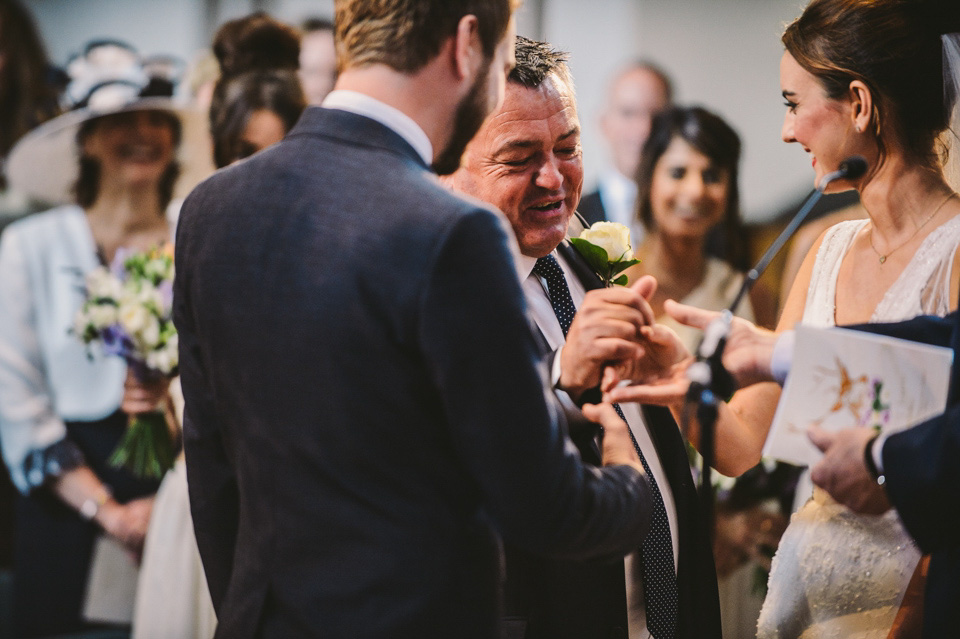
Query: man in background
x=638, y=92
x=318, y=59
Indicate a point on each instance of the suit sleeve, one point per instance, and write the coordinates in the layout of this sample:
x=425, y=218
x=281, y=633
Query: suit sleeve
x=925, y=329
x=504, y=422
x=923, y=480
x=214, y=497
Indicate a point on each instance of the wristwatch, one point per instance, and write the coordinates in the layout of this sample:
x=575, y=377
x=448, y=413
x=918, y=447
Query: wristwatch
x=91, y=506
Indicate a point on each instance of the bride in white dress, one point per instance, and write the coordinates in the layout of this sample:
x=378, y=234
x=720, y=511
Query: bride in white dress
x=860, y=77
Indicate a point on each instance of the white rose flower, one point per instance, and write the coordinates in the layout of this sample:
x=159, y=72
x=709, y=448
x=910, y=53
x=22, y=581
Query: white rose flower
x=173, y=355
x=133, y=317
x=102, y=284
x=150, y=297
x=102, y=315
x=149, y=335
x=80, y=323
x=161, y=360
x=612, y=237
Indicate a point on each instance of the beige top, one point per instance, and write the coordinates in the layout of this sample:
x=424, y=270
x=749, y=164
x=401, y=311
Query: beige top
x=716, y=291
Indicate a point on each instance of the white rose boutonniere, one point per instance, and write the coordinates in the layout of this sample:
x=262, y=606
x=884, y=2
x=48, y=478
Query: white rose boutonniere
x=606, y=247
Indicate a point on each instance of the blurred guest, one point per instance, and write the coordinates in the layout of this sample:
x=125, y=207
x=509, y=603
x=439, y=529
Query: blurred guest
x=258, y=97
x=254, y=108
x=62, y=405
x=687, y=184
x=318, y=59
x=29, y=90
x=637, y=93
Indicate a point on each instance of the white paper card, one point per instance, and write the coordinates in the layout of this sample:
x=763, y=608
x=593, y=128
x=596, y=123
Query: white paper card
x=841, y=378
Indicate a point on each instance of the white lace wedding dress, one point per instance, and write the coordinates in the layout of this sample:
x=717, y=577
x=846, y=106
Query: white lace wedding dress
x=836, y=573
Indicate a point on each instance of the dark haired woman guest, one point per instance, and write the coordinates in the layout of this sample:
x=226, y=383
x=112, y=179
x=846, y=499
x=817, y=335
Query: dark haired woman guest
x=258, y=97
x=255, y=102
x=687, y=184
x=62, y=408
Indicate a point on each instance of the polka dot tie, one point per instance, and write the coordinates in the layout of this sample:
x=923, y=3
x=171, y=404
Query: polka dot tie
x=656, y=552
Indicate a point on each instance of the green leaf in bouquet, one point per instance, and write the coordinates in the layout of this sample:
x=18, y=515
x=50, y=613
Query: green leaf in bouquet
x=621, y=281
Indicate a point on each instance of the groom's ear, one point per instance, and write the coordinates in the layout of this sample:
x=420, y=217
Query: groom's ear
x=468, y=53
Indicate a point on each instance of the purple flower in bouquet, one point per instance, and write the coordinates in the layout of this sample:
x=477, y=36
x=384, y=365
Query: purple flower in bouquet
x=127, y=311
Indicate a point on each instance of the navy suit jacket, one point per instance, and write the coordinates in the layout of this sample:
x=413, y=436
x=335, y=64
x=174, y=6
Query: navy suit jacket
x=556, y=599
x=364, y=410
x=922, y=468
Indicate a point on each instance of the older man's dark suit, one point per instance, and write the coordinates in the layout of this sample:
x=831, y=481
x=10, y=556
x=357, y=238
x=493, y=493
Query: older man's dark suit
x=363, y=407
x=922, y=468
x=551, y=599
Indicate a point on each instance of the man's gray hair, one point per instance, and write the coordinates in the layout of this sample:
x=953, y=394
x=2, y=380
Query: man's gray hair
x=537, y=60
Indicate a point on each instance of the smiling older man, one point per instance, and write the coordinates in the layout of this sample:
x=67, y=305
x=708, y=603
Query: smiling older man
x=527, y=160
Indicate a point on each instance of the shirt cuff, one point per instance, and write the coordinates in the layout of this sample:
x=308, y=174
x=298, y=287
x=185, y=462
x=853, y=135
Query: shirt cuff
x=877, y=452
x=41, y=466
x=555, y=369
x=782, y=356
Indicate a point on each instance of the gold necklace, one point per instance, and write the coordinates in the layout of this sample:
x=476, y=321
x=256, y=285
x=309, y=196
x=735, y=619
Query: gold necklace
x=883, y=258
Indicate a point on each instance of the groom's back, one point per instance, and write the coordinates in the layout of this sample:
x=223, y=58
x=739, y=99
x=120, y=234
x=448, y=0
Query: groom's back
x=301, y=274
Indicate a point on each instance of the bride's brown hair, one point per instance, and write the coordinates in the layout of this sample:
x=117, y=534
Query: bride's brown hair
x=893, y=47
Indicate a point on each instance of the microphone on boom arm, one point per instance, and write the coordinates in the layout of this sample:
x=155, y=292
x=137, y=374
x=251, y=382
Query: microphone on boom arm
x=709, y=380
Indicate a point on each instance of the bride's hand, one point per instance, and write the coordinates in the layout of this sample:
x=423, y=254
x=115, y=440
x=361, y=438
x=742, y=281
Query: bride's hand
x=658, y=376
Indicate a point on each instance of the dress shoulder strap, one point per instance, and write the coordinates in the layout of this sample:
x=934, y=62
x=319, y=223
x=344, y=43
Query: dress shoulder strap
x=820, y=306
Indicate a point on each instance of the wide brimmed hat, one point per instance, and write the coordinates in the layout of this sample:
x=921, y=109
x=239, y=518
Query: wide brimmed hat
x=109, y=77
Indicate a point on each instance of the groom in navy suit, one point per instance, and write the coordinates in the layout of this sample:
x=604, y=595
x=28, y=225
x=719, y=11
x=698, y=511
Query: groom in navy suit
x=526, y=160
x=364, y=412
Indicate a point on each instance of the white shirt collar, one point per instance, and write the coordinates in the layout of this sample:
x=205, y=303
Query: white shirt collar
x=525, y=265
x=392, y=118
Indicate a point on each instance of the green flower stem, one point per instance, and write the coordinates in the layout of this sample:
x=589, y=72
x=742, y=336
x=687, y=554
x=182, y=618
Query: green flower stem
x=146, y=449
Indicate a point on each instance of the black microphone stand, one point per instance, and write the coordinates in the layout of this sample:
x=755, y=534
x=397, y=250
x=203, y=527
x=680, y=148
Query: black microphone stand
x=710, y=382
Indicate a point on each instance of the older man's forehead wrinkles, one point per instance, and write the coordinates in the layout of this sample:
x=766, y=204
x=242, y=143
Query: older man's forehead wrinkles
x=516, y=145
x=574, y=130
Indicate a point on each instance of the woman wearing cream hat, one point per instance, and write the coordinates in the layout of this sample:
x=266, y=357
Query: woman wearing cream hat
x=111, y=165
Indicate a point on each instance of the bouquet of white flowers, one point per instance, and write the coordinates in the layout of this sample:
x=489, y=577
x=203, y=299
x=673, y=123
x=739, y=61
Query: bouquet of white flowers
x=128, y=311
x=606, y=247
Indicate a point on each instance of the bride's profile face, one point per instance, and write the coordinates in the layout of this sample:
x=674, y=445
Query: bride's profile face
x=821, y=125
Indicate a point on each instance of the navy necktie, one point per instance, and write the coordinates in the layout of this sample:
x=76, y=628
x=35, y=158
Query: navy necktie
x=656, y=552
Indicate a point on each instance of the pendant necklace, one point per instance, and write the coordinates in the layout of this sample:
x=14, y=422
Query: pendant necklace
x=883, y=256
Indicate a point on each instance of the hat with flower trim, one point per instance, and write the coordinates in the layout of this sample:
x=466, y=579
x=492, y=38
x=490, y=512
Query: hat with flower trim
x=108, y=77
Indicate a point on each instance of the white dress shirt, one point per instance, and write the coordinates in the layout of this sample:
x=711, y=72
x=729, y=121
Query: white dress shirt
x=538, y=300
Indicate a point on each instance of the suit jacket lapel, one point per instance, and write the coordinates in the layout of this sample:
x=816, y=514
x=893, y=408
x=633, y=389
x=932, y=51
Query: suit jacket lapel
x=579, y=266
